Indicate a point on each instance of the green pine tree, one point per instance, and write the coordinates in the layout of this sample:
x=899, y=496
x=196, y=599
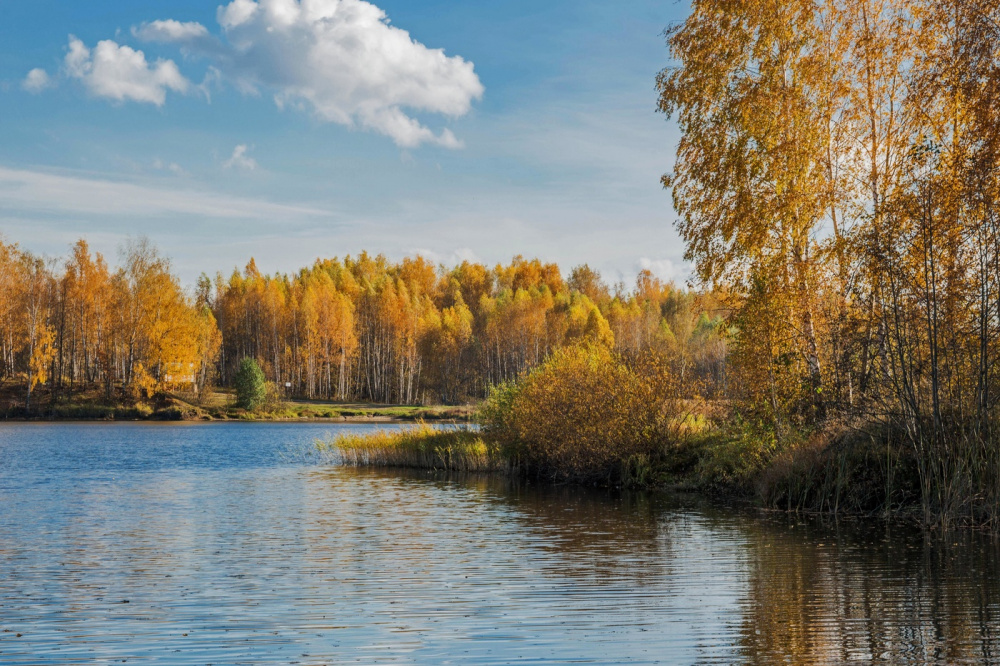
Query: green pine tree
x=251, y=386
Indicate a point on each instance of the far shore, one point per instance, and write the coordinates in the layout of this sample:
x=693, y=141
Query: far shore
x=89, y=405
x=253, y=419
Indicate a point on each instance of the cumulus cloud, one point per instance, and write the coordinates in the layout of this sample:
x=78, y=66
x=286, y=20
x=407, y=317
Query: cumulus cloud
x=340, y=58
x=121, y=73
x=240, y=159
x=36, y=81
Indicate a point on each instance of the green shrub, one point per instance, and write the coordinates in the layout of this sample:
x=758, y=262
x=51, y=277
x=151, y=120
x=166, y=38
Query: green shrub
x=251, y=386
x=733, y=457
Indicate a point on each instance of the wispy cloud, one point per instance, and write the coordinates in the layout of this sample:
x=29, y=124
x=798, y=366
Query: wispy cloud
x=665, y=269
x=24, y=190
x=447, y=258
x=172, y=167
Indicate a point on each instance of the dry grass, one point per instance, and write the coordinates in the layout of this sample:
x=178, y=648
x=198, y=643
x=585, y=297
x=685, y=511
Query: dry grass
x=421, y=447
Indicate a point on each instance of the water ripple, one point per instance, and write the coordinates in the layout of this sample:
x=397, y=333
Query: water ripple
x=234, y=544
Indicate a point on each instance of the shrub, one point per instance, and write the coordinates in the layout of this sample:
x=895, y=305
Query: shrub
x=273, y=399
x=171, y=413
x=733, y=457
x=251, y=386
x=586, y=414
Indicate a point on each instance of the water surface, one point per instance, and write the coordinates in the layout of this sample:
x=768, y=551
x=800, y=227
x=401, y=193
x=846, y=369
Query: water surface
x=236, y=543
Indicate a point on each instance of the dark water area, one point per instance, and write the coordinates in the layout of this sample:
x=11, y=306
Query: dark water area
x=239, y=544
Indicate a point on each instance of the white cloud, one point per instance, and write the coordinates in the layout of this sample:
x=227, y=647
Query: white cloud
x=240, y=159
x=665, y=269
x=191, y=33
x=40, y=192
x=341, y=58
x=37, y=80
x=237, y=12
x=465, y=254
x=170, y=31
x=121, y=73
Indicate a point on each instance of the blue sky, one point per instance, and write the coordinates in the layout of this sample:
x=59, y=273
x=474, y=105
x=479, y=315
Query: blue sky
x=288, y=131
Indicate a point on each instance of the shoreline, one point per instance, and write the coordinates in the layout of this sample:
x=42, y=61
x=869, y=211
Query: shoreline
x=469, y=454
x=303, y=419
x=217, y=405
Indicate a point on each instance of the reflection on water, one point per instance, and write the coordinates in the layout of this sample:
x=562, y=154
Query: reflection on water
x=829, y=593
x=229, y=543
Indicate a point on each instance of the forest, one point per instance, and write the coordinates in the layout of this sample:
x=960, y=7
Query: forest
x=360, y=329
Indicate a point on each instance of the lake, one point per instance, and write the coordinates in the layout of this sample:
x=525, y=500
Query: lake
x=232, y=543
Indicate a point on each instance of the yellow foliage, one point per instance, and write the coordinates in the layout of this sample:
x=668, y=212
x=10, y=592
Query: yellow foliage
x=584, y=414
x=42, y=352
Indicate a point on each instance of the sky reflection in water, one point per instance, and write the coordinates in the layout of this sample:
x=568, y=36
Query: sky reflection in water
x=232, y=543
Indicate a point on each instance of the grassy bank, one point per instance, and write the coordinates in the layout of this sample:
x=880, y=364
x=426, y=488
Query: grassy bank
x=589, y=416
x=422, y=447
x=583, y=416
x=840, y=471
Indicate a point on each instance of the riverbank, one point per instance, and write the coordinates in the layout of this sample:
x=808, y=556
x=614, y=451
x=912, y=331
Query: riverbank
x=588, y=416
x=840, y=472
x=91, y=404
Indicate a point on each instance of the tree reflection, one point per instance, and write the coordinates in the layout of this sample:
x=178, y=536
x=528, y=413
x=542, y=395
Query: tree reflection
x=831, y=593
x=740, y=585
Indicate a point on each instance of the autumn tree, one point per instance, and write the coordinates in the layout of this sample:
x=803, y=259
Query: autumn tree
x=754, y=92
x=837, y=179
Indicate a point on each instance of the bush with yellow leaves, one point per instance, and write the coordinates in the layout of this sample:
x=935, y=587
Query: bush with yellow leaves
x=587, y=414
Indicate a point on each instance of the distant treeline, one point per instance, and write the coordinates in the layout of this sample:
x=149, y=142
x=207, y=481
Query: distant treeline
x=361, y=328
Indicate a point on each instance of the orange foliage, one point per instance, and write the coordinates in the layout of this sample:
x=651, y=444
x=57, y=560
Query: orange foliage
x=360, y=328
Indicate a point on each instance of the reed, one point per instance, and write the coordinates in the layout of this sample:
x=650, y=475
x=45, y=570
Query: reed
x=422, y=447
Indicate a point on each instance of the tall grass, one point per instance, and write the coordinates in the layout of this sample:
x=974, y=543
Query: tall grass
x=422, y=447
